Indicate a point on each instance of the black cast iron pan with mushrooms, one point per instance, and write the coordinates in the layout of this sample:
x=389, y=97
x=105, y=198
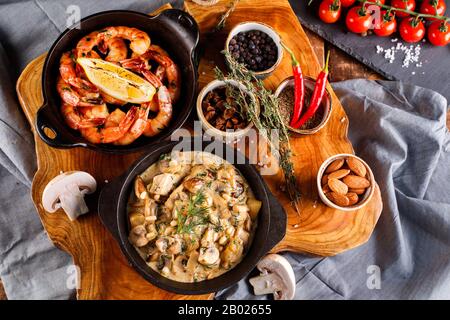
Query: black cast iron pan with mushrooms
x=271, y=224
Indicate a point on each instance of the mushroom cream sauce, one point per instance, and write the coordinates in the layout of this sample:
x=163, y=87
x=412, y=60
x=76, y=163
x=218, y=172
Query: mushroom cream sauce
x=192, y=216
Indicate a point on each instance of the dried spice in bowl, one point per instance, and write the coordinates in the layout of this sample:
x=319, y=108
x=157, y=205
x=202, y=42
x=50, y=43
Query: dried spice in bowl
x=221, y=111
x=255, y=49
x=286, y=103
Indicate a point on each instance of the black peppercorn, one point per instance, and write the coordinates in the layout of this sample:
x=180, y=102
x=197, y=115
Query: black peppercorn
x=255, y=49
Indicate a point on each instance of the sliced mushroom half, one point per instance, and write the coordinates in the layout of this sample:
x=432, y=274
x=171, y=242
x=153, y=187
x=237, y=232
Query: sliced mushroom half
x=277, y=278
x=67, y=191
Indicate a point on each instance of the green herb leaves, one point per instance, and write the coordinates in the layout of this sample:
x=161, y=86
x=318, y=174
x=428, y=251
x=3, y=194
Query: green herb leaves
x=269, y=118
x=192, y=215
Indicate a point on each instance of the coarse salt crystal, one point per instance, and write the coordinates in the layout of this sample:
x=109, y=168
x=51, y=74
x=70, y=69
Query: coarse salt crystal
x=411, y=53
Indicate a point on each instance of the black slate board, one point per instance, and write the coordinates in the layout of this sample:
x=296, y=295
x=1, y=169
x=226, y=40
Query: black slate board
x=433, y=74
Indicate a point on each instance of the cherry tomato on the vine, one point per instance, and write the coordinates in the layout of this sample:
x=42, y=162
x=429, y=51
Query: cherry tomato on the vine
x=330, y=11
x=347, y=3
x=412, y=30
x=439, y=33
x=358, y=20
x=403, y=4
x=387, y=25
x=434, y=7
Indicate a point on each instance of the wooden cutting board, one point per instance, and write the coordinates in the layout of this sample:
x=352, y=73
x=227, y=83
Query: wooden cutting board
x=105, y=273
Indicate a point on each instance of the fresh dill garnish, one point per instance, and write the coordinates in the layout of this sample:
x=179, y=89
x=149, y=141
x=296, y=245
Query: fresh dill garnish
x=202, y=174
x=269, y=118
x=192, y=215
x=164, y=156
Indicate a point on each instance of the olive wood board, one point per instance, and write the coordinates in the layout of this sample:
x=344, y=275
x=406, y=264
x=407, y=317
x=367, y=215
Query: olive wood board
x=319, y=230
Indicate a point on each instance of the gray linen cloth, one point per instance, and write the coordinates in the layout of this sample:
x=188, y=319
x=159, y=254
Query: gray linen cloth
x=398, y=129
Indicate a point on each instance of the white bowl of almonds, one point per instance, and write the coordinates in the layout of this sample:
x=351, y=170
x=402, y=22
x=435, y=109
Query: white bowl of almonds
x=345, y=182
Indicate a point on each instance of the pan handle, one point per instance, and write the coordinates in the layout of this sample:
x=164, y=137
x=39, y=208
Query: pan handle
x=189, y=30
x=49, y=130
x=107, y=210
x=278, y=222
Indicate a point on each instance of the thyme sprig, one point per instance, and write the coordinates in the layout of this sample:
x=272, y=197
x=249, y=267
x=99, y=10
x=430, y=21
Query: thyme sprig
x=223, y=19
x=267, y=120
x=192, y=215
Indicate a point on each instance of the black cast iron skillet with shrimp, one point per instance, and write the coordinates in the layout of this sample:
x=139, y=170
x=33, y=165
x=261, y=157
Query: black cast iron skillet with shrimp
x=174, y=30
x=270, y=230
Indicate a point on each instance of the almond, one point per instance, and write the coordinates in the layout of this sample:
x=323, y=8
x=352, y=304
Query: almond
x=355, y=182
x=335, y=165
x=326, y=188
x=324, y=179
x=338, y=174
x=352, y=198
x=357, y=191
x=357, y=166
x=338, y=199
x=338, y=186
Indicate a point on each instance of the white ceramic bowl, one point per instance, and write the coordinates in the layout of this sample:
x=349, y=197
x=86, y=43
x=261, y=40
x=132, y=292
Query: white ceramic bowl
x=326, y=103
x=259, y=26
x=367, y=195
x=210, y=129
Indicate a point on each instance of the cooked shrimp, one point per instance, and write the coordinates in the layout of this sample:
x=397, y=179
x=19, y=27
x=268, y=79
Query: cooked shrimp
x=172, y=73
x=112, y=132
x=162, y=119
x=68, y=71
x=171, y=69
x=85, y=47
x=72, y=97
x=160, y=73
x=139, y=40
x=98, y=111
x=137, y=129
x=115, y=48
x=111, y=100
x=75, y=119
x=142, y=67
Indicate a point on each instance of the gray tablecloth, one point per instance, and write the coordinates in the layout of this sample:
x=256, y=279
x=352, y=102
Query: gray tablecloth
x=398, y=129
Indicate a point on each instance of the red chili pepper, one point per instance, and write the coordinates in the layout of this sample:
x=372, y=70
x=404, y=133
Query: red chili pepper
x=317, y=96
x=299, y=87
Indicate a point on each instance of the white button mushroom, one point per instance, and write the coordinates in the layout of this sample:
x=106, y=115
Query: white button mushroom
x=209, y=256
x=277, y=277
x=138, y=236
x=67, y=191
x=162, y=184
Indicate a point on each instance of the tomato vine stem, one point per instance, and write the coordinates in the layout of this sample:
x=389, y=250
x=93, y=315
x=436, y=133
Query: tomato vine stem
x=412, y=13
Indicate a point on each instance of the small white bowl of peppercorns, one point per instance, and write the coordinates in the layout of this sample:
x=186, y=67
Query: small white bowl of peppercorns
x=257, y=46
x=220, y=113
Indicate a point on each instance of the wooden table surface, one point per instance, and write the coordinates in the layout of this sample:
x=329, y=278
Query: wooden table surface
x=342, y=67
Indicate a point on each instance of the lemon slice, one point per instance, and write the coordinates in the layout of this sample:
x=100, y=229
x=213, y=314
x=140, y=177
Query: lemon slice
x=116, y=81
